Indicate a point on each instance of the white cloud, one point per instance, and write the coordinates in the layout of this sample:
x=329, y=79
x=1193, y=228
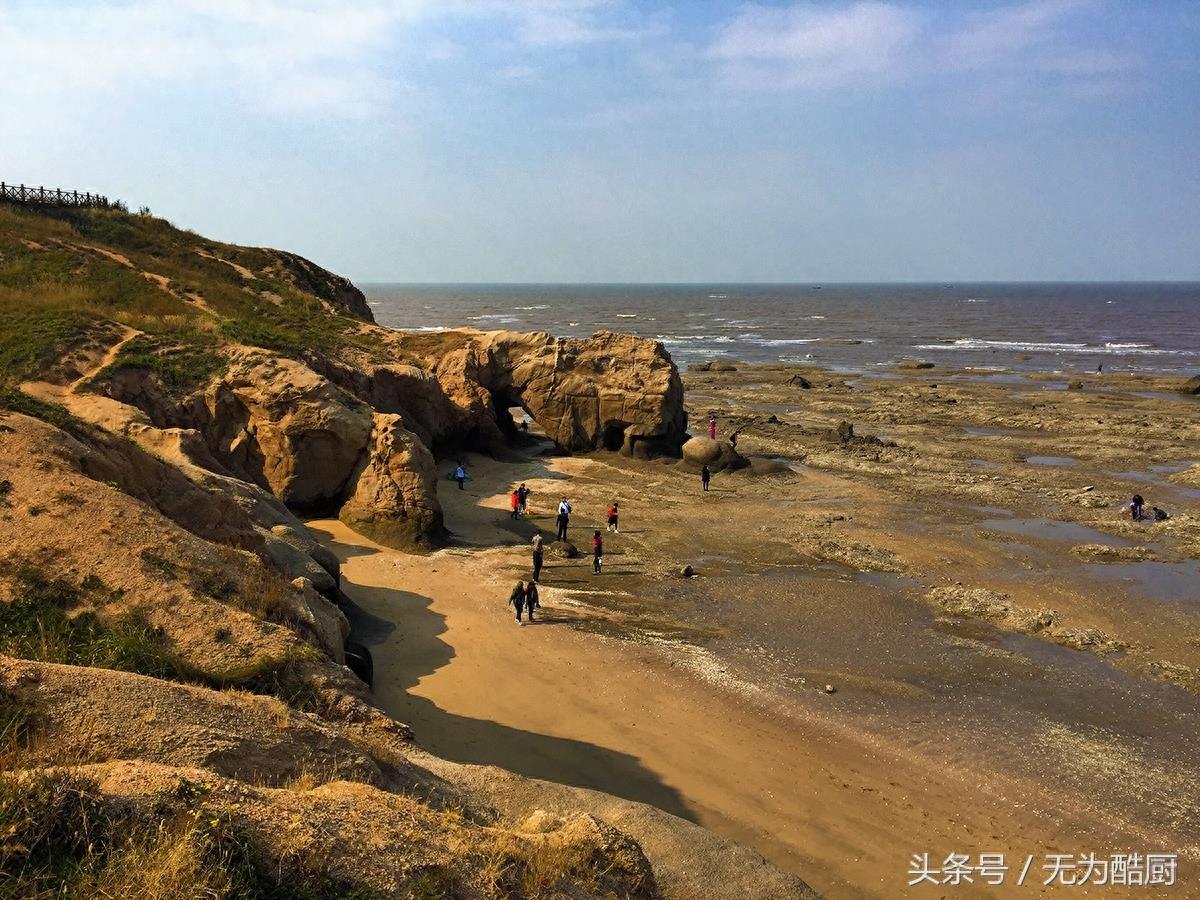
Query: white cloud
x=810, y=46
x=281, y=56
x=816, y=45
x=278, y=54
x=1000, y=36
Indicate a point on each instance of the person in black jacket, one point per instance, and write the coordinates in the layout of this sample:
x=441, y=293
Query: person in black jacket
x=537, y=557
x=517, y=599
x=564, y=519
x=531, y=599
x=705, y=476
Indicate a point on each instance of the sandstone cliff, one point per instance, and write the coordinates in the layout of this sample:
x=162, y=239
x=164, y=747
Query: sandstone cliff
x=176, y=718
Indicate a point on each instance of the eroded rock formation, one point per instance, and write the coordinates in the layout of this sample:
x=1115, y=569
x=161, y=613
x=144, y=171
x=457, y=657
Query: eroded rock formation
x=332, y=433
x=393, y=499
x=610, y=391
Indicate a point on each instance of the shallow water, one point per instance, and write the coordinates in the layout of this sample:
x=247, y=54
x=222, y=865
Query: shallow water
x=988, y=431
x=1054, y=530
x=985, y=464
x=887, y=580
x=1050, y=460
x=1175, y=582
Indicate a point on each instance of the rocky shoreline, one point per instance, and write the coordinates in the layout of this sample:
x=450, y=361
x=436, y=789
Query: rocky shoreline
x=899, y=588
x=175, y=649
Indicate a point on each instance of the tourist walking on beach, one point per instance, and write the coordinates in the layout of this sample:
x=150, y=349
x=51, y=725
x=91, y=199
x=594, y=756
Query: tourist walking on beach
x=597, y=552
x=564, y=518
x=523, y=497
x=537, y=556
x=531, y=600
x=613, y=512
x=712, y=427
x=517, y=599
x=705, y=476
x=460, y=475
x=514, y=501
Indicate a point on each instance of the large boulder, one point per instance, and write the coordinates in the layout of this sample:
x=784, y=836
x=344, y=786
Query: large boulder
x=393, y=494
x=717, y=455
x=1191, y=386
x=610, y=391
x=278, y=423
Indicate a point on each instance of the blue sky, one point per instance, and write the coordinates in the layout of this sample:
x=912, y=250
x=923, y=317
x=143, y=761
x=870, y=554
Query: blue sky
x=602, y=140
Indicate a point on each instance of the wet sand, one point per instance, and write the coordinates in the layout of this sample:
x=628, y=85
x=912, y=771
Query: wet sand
x=705, y=696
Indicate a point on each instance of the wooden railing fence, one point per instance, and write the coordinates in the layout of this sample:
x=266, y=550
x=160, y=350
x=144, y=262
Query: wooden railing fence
x=42, y=196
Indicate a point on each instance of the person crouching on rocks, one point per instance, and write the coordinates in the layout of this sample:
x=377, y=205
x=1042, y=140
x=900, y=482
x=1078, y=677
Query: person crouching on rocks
x=514, y=501
x=537, y=556
x=1136, y=507
x=517, y=599
x=531, y=599
x=597, y=552
x=613, y=512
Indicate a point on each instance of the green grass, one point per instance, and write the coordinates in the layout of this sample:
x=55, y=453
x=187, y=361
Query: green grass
x=37, y=624
x=33, y=339
x=44, y=622
x=181, y=368
x=14, y=400
x=16, y=721
x=62, y=278
x=58, y=838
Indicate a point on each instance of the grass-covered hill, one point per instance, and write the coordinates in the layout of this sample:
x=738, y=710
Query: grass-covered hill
x=69, y=277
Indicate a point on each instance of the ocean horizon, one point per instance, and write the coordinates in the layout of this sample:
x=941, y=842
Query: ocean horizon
x=1056, y=326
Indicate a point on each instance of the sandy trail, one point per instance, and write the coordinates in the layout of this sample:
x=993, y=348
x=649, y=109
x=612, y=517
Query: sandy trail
x=657, y=723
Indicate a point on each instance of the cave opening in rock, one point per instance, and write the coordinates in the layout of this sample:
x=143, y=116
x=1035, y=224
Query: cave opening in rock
x=614, y=436
x=516, y=422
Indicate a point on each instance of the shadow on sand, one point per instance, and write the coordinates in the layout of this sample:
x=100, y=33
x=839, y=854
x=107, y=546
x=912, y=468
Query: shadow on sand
x=406, y=655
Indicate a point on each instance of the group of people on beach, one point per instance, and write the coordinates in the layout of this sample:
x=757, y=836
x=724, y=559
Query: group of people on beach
x=1137, y=510
x=524, y=596
x=519, y=500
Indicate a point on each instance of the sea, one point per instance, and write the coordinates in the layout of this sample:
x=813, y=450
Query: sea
x=993, y=328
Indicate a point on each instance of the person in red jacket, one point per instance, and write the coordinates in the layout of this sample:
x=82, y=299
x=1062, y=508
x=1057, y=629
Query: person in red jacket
x=613, y=513
x=597, y=552
x=514, y=501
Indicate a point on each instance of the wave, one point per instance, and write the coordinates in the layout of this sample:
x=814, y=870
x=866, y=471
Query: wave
x=527, y=308
x=627, y=315
x=814, y=317
x=430, y=328
x=1051, y=347
x=495, y=317
x=692, y=338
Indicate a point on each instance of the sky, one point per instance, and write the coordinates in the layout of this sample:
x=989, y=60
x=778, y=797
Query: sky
x=622, y=141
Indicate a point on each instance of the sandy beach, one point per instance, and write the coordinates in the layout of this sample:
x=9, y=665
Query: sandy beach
x=706, y=696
